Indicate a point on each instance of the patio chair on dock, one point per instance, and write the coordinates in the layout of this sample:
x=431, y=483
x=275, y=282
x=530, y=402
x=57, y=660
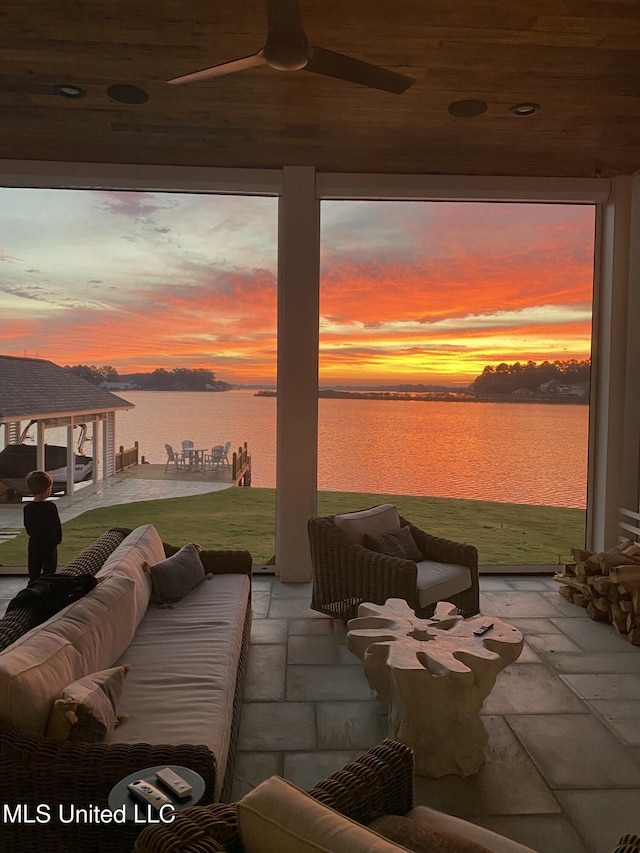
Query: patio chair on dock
x=213, y=460
x=173, y=458
x=219, y=456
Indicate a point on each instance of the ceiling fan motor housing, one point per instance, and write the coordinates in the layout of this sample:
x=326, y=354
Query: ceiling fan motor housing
x=286, y=55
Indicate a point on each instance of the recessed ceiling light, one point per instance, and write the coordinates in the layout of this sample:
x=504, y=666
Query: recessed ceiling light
x=66, y=90
x=467, y=109
x=526, y=109
x=126, y=94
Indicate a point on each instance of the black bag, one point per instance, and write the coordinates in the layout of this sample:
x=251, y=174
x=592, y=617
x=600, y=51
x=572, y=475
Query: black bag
x=50, y=593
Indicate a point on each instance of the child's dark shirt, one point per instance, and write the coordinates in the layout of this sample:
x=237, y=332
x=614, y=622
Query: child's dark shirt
x=42, y=522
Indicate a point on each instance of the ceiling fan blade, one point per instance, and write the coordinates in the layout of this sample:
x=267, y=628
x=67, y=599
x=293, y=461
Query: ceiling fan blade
x=222, y=69
x=331, y=64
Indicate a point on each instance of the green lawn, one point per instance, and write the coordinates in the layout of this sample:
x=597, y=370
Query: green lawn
x=244, y=518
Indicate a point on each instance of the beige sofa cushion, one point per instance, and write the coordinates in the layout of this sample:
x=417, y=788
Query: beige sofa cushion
x=276, y=817
x=374, y=521
x=87, y=636
x=142, y=546
x=184, y=663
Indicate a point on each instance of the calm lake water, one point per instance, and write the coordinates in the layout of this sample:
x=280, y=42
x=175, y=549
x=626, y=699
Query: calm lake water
x=518, y=453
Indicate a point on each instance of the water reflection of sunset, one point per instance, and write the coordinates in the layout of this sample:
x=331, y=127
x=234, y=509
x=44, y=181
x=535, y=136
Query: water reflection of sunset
x=410, y=292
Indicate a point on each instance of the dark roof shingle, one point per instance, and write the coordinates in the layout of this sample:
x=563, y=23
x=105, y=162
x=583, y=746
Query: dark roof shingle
x=32, y=388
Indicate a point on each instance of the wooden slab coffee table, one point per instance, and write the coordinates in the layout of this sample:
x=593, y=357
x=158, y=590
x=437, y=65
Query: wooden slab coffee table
x=435, y=675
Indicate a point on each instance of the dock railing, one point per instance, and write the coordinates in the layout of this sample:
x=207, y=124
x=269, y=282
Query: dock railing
x=241, y=466
x=126, y=458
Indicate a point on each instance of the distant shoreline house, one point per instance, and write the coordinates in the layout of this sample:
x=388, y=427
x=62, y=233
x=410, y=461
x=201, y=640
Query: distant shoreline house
x=118, y=386
x=573, y=389
x=36, y=392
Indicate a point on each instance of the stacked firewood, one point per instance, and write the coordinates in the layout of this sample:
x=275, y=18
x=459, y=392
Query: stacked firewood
x=607, y=583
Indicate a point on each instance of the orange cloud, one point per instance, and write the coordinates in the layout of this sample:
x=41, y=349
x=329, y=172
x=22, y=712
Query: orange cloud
x=483, y=290
x=409, y=291
x=230, y=329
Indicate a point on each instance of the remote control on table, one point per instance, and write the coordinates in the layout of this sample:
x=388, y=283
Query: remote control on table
x=176, y=784
x=482, y=629
x=147, y=794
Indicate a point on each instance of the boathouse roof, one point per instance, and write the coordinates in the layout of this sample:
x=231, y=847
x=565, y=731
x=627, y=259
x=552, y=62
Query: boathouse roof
x=36, y=389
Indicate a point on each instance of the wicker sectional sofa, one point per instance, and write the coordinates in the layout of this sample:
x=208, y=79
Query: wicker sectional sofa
x=181, y=697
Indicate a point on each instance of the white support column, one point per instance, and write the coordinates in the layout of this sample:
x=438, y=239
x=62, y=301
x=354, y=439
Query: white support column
x=297, y=403
x=40, y=439
x=615, y=408
x=95, y=450
x=70, y=458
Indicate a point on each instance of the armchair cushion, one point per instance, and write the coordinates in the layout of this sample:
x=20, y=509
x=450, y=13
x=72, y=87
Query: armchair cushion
x=440, y=581
x=374, y=521
x=395, y=543
x=276, y=816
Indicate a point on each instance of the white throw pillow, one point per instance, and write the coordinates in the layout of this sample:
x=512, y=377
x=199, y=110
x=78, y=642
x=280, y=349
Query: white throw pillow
x=373, y=522
x=276, y=817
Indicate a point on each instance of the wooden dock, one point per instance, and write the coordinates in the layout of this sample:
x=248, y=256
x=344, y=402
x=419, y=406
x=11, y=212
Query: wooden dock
x=238, y=472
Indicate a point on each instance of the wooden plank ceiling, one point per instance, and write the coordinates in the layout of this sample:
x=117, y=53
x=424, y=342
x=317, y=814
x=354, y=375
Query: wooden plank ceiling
x=578, y=59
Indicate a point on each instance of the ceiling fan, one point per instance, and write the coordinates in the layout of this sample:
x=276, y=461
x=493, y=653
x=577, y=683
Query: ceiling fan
x=287, y=49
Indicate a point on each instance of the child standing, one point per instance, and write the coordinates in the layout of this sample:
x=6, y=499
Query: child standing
x=42, y=523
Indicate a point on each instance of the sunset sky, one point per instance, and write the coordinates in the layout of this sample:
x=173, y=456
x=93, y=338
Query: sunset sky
x=411, y=291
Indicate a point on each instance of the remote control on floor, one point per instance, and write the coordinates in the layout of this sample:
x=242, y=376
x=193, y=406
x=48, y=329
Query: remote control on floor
x=147, y=794
x=482, y=629
x=176, y=784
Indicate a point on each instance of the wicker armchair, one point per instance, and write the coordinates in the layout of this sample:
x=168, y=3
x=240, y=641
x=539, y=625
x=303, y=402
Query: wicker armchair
x=345, y=574
x=378, y=783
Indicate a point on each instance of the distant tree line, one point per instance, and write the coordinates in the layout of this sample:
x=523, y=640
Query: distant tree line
x=178, y=379
x=507, y=378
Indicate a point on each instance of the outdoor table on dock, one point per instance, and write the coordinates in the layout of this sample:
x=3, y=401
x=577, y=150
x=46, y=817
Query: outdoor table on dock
x=194, y=458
